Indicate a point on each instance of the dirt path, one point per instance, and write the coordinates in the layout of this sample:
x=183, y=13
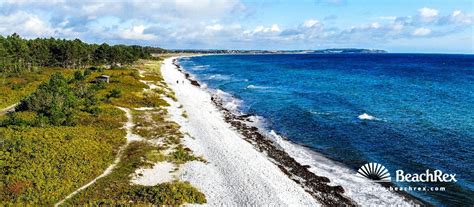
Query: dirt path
x=8, y=109
x=130, y=137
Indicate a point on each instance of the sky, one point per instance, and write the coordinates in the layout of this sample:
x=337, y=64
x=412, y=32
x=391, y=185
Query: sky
x=424, y=26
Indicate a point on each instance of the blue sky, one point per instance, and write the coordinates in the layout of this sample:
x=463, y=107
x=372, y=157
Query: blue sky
x=440, y=26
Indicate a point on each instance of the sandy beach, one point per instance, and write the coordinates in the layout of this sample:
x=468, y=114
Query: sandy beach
x=238, y=174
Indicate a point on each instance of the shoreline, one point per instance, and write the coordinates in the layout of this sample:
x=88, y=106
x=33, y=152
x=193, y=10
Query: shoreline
x=235, y=174
x=302, y=170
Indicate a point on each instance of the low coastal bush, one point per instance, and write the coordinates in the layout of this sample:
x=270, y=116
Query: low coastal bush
x=54, y=100
x=115, y=189
x=15, y=86
x=169, y=194
x=181, y=155
x=42, y=165
x=151, y=124
x=115, y=185
x=60, y=138
x=69, y=131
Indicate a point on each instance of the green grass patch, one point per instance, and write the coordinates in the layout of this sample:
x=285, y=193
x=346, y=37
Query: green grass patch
x=115, y=189
x=43, y=165
x=181, y=155
x=15, y=86
x=42, y=159
x=151, y=124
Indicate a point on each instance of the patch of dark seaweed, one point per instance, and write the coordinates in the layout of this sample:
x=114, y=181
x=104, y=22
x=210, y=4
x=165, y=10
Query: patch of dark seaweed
x=316, y=186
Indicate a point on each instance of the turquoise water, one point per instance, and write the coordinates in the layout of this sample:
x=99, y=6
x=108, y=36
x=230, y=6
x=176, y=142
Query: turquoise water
x=419, y=108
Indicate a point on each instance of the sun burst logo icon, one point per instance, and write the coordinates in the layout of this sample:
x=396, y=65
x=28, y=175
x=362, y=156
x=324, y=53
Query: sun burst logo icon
x=375, y=172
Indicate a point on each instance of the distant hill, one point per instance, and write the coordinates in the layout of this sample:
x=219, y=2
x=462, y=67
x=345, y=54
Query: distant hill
x=348, y=50
x=323, y=51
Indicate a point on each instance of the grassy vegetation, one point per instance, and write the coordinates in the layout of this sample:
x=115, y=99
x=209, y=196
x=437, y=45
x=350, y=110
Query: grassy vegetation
x=60, y=138
x=15, y=86
x=151, y=124
x=116, y=189
x=41, y=165
x=69, y=130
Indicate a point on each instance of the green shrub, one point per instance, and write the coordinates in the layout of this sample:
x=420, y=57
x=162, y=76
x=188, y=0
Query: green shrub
x=78, y=75
x=14, y=87
x=181, y=155
x=87, y=72
x=54, y=99
x=114, y=93
x=19, y=119
x=169, y=194
x=42, y=165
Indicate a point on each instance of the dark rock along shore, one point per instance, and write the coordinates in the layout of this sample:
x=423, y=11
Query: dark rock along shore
x=316, y=186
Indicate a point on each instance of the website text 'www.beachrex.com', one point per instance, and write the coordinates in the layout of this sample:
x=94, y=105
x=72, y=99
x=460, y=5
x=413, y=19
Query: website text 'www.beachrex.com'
x=407, y=188
x=417, y=188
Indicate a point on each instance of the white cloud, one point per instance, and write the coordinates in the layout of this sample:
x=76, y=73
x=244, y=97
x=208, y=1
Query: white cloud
x=388, y=17
x=421, y=31
x=208, y=24
x=37, y=27
x=262, y=29
x=428, y=14
x=215, y=27
x=459, y=17
x=397, y=26
x=275, y=28
x=93, y=7
x=375, y=25
x=136, y=33
x=25, y=24
x=311, y=23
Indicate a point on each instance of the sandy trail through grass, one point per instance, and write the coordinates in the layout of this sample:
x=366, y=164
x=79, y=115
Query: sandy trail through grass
x=130, y=137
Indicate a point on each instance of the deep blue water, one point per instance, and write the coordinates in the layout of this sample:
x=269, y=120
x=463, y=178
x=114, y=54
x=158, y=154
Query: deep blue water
x=423, y=106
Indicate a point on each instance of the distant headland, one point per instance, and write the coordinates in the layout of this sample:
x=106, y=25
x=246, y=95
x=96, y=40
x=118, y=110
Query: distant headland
x=321, y=51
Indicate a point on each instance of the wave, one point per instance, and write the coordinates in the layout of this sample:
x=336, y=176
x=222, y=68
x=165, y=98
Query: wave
x=319, y=113
x=257, y=87
x=363, y=192
x=200, y=67
x=366, y=116
x=229, y=102
x=219, y=77
x=357, y=188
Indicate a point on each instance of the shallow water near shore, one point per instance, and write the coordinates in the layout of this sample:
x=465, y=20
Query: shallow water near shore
x=409, y=112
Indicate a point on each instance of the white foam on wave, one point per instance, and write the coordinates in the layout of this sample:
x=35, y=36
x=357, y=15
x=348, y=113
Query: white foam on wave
x=257, y=87
x=319, y=113
x=219, y=77
x=229, y=101
x=366, y=116
x=361, y=190
x=200, y=67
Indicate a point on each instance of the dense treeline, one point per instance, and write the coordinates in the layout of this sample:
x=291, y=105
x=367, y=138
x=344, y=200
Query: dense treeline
x=18, y=54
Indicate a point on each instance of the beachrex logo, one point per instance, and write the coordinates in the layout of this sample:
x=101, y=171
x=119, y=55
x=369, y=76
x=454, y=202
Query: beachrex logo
x=428, y=176
x=375, y=172
x=379, y=173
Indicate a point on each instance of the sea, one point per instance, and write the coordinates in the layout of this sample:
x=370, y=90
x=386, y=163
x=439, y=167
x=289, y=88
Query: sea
x=410, y=112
